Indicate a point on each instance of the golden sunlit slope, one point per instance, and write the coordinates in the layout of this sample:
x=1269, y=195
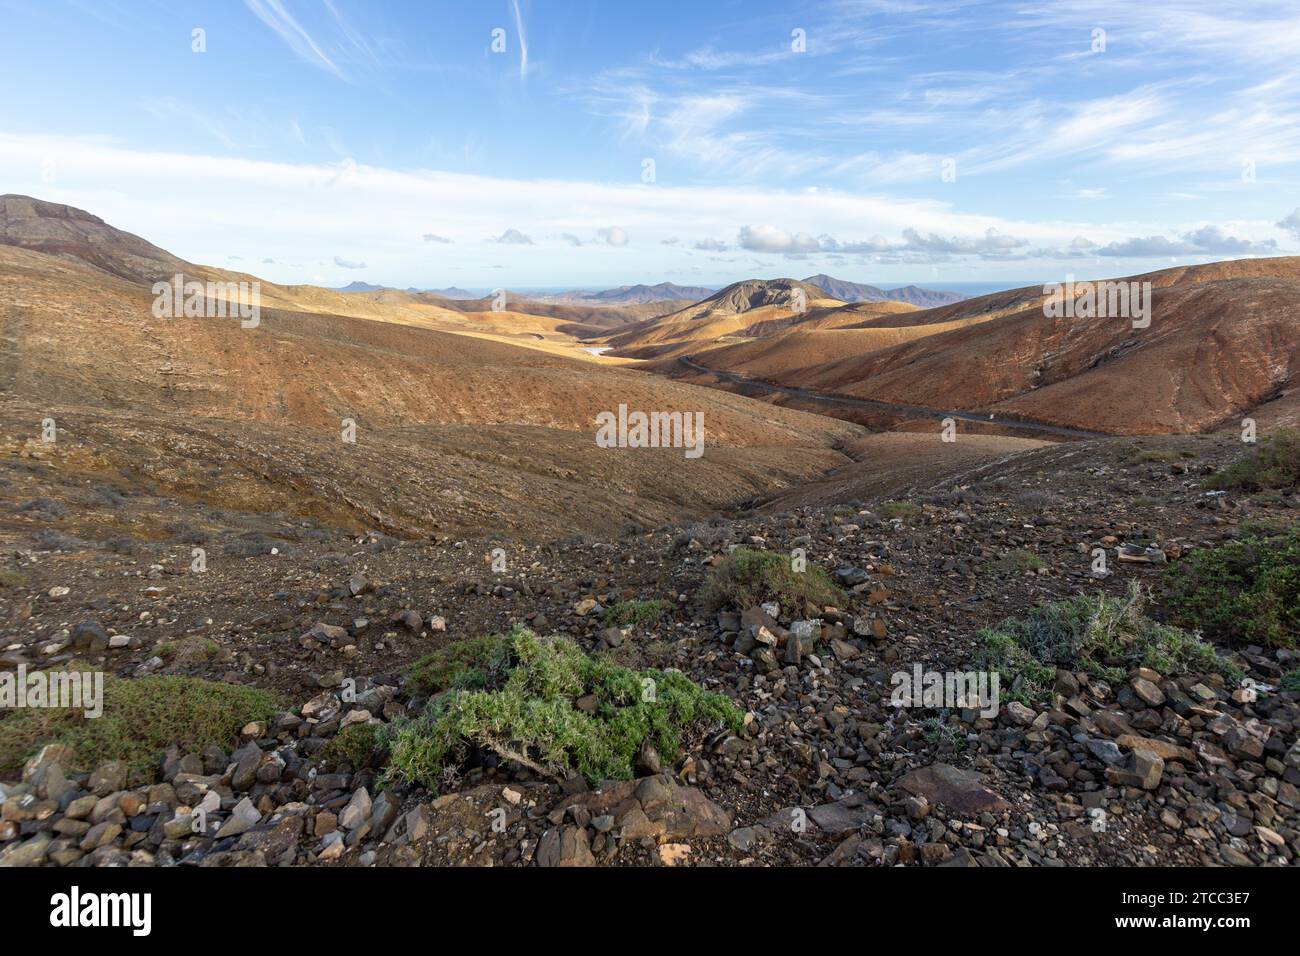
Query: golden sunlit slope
x=77, y=336
x=73, y=235
x=455, y=429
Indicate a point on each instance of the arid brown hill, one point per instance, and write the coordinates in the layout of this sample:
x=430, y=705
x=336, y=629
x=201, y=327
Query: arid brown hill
x=76, y=235
x=1223, y=342
x=459, y=425
x=862, y=292
x=731, y=312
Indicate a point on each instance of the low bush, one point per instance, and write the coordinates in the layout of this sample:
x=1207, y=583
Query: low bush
x=470, y=664
x=905, y=510
x=12, y=578
x=1022, y=560
x=528, y=713
x=1245, y=591
x=748, y=577
x=1274, y=464
x=1102, y=636
x=357, y=745
x=141, y=717
x=631, y=613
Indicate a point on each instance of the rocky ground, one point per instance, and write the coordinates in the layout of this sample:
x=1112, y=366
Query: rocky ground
x=1155, y=771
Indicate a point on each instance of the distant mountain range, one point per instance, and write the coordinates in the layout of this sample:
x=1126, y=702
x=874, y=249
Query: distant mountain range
x=672, y=292
x=452, y=292
x=628, y=295
x=835, y=288
x=861, y=292
x=638, y=294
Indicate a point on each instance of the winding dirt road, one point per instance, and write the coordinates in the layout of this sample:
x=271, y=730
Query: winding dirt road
x=871, y=404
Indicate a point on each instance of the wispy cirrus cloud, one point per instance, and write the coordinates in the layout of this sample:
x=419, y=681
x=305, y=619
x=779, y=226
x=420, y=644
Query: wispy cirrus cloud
x=279, y=19
x=760, y=112
x=359, y=44
x=523, y=40
x=1267, y=31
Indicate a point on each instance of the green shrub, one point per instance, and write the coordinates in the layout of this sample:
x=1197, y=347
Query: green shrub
x=748, y=577
x=357, y=745
x=465, y=665
x=12, y=578
x=900, y=509
x=1021, y=676
x=1101, y=636
x=1022, y=560
x=1242, y=592
x=937, y=730
x=528, y=714
x=141, y=717
x=628, y=613
x=1291, y=682
x=1274, y=464
x=1154, y=456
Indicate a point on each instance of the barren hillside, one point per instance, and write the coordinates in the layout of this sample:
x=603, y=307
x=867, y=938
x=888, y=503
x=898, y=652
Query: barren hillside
x=731, y=312
x=141, y=395
x=1224, y=341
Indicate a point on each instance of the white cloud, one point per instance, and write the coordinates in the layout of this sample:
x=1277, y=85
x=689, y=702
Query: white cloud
x=772, y=239
x=523, y=40
x=1291, y=223
x=1259, y=33
x=1208, y=240
x=1092, y=192
x=275, y=16
x=992, y=244
x=348, y=263
x=614, y=236
x=205, y=208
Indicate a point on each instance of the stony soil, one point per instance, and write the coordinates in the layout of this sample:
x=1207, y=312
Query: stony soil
x=1155, y=771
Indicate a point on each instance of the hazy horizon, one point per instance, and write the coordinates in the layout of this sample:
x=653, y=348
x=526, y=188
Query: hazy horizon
x=966, y=288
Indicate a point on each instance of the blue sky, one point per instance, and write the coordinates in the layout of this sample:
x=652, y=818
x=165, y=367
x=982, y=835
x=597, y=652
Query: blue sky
x=331, y=140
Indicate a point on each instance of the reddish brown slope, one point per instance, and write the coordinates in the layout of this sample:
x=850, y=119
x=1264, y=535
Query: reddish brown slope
x=73, y=234
x=1223, y=339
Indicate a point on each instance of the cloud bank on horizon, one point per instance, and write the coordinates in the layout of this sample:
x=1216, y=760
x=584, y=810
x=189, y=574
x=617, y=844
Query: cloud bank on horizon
x=586, y=143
